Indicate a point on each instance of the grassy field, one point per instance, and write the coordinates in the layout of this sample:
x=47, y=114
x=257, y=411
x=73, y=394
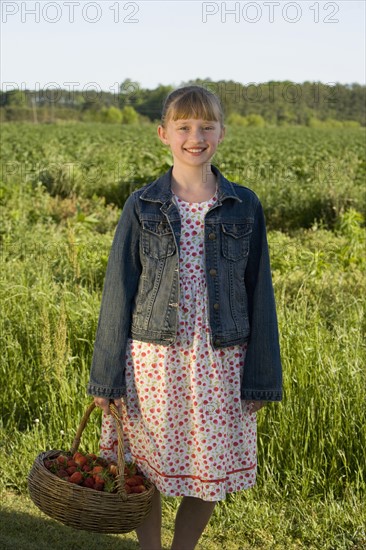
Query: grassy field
x=253, y=521
x=62, y=190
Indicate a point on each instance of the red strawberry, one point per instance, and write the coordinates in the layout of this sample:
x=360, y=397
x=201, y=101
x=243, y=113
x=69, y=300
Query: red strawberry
x=62, y=459
x=97, y=470
x=71, y=462
x=134, y=480
x=98, y=486
x=80, y=459
x=88, y=482
x=71, y=470
x=138, y=488
x=139, y=479
x=62, y=473
x=99, y=479
x=76, y=477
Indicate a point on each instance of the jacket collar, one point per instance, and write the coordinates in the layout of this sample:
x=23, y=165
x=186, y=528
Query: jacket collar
x=160, y=189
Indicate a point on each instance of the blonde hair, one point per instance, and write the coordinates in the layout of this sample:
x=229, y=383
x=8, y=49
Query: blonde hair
x=192, y=102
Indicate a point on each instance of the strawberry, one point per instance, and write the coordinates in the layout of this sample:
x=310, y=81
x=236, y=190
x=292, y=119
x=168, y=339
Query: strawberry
x=62, y=473
x=52, y=465
x=71, y=463
x=62, y=460
x=76, y=477
x=128, y=489
x=134, y=480
x=138, y=488
x=98, y=478
x=80, y=459
x=98, y=486
x=139, y=479
x=97, y=470
x=71, y=470
x=88, y=482
x=86, y=468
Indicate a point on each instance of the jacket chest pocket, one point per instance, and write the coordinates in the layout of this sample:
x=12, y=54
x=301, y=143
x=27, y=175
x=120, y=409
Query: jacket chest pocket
x=157, y=239
x=235, y=240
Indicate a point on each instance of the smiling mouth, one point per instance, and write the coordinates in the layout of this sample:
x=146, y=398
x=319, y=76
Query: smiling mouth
x=196, y=149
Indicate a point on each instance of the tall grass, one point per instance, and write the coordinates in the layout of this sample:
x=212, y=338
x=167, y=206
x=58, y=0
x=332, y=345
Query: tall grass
x=311, y=446
x=313, y=443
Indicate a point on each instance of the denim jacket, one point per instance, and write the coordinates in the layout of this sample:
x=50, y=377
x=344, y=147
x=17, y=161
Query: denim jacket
x=141, y=288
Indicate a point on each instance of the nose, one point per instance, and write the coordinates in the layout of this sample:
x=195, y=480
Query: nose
x=197, y=134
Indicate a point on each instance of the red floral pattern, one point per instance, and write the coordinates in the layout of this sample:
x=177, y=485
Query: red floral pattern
x=184, y=423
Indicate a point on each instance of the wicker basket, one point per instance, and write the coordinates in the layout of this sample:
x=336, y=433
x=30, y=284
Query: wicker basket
x=84, y=508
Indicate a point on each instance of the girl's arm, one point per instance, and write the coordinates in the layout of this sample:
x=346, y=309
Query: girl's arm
x=107, y=375
x=262, y=379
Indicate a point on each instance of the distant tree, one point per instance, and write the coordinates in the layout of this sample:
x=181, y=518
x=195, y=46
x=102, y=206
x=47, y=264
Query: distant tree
x=111, y=115
x=16, y=98
x=129, y=115
x=129, y=93
x=152, y=101
x=281, y=103
x=255, y=120
x=235, y=119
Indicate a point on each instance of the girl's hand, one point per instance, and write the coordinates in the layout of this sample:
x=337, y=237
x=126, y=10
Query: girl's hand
x=255, y=406
x=103, y=403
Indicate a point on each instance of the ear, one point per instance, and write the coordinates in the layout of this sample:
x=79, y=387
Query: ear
x=162, y=135
x=222, y=134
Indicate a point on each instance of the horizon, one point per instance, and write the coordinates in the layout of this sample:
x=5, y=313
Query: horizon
x=207, y=80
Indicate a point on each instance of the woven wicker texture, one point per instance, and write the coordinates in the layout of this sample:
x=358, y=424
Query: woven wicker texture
x=84, y=508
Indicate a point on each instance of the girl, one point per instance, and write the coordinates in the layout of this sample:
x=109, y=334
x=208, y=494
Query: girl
x=187, y=332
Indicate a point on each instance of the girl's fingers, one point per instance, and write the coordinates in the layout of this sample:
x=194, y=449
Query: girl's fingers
x=118, y=403
x=255, y=406
x=103, y=404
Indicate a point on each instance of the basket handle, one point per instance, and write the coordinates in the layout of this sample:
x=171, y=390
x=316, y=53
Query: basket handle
x=120, y=449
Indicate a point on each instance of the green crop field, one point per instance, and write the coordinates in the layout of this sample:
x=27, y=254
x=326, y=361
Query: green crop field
x=62, y=190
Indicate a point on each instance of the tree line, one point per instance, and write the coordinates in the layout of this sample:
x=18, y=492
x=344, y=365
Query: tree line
x=275, y=103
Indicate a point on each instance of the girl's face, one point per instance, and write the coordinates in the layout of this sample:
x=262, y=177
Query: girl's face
x=192, y=141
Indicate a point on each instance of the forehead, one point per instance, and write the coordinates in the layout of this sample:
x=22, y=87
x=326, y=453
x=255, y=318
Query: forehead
x=193, y=121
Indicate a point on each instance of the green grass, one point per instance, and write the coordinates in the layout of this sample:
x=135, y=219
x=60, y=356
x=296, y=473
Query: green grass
x=311, y=447
x=243, y=522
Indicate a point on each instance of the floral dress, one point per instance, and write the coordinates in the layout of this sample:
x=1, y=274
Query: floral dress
x=184, y=422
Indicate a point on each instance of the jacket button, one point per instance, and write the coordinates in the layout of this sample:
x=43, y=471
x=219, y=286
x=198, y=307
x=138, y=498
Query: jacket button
x=217, y=342
x=212, y=236
x=213, y=272
x=216, y=306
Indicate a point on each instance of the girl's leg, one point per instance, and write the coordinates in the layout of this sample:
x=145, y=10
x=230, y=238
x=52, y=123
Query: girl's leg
x=192, y=517
x=149, y=533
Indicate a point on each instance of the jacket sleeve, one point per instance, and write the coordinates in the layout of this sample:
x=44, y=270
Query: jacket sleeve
x=262, y=378
x=107, y=374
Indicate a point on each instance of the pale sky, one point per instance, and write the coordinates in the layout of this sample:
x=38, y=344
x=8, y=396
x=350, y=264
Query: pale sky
x=81, y=44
